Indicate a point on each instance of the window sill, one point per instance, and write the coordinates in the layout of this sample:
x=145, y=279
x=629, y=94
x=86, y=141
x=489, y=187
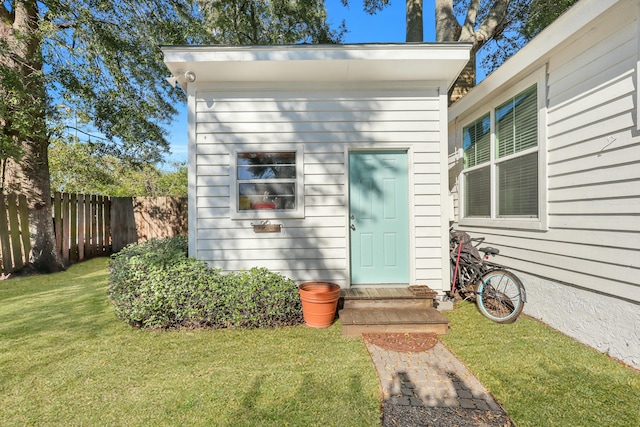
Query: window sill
x=534, y=224
x=268, y=214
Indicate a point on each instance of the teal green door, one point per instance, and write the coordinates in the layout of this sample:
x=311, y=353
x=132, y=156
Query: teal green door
x=379, y=218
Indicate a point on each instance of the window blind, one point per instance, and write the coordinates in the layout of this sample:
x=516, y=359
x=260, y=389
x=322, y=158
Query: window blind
x=476, y=142
x=477, y=192
x=517, y=123
x=518, y=186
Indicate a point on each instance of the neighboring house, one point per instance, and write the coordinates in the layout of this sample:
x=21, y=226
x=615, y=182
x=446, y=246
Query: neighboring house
x=545, y=163
x=324, y=163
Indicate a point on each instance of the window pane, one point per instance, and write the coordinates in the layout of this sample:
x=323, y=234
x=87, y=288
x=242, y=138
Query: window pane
x=280, y=165
x=518, y=186
x=477, y=199
x=517, y=123
x=266, y=180
x=475, y=141
x=266, y=172
x=259, y=196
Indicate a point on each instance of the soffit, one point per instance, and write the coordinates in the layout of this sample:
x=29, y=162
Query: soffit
x=438, y=62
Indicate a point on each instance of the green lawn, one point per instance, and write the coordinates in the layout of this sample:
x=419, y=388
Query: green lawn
x=65, y=359
x=541, y=377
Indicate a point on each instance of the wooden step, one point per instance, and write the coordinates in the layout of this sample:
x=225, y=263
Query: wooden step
x=356, y=321
x=398, y=310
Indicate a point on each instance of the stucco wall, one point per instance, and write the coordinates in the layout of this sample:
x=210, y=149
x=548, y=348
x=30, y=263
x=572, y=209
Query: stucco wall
x=608, y=324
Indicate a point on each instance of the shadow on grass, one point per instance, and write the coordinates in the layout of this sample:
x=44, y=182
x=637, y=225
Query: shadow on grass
x=73, y=301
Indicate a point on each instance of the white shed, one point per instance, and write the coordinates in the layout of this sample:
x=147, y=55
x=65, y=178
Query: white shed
x=545, y=157
x=324, y=163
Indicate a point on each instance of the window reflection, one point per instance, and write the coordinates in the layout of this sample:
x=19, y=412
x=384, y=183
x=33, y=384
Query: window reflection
x=266, y=180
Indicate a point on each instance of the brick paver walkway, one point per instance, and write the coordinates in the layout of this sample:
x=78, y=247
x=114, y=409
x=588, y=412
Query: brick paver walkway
x=430, y=378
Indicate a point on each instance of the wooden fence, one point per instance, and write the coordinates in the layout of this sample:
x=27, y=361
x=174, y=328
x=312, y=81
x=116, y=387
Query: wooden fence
x=87, y=226
x=82, y=225
x=15, y=245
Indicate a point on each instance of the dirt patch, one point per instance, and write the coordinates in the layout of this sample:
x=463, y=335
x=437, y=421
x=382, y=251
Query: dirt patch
x=403, y=342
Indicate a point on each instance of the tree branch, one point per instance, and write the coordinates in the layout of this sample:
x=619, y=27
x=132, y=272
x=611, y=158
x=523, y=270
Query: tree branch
x=493, y=21
x=5, y=15
x=470, y=22
x=447, y=26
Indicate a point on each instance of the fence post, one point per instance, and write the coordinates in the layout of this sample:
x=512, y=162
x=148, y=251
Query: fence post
x=23, y=213
x=94, y=225
x=87, y=226
x=65, y=228
x=107, y=225
x=73, y=228
x=14, y=231
x=5, y=246
x=101, y=225
x=57, y=220
x=80, y=227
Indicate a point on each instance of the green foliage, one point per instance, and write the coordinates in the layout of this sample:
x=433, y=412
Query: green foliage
x=542, y=13
x=523, y=21
x=66, y=360
x=257, y=22
x=78, y=168
x=258, y=298
x=156, y=285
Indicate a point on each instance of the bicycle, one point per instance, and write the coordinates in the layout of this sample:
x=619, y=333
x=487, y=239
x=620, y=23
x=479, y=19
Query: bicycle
x=498, y=293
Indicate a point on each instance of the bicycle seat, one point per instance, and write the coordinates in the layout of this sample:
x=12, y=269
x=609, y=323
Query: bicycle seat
x=489, y=250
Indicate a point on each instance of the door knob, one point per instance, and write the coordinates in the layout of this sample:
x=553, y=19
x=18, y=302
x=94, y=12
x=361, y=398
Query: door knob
x=353, y=227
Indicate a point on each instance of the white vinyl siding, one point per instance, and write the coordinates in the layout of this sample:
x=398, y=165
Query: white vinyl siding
x=592, y=166
x=323, y=122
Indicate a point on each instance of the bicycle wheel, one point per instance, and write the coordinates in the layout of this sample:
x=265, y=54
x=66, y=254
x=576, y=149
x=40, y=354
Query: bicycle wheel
x=500, y=296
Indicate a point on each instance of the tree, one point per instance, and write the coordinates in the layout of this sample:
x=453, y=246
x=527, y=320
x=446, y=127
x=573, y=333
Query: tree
x=102, y=58
x=484, y=19
x=81, y=168
x=510, y=24
x=259, y=22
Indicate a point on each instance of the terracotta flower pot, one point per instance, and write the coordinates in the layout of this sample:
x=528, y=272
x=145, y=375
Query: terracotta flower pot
x=319, y=303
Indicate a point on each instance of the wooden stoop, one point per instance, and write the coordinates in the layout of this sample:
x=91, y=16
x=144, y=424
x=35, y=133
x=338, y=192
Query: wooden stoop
x=372, y=310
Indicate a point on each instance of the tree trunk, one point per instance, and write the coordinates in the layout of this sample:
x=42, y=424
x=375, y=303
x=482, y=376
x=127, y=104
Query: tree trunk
x=465, y=81
x=448, y=29
x=25, y=124
x=415, y=32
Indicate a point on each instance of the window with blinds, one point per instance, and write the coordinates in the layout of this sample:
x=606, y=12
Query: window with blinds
x=517, y=123
x=512, y=164
x=476, y=142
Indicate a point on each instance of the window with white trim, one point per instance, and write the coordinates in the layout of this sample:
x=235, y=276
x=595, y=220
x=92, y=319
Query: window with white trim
x=267, y=184
x=500, y=174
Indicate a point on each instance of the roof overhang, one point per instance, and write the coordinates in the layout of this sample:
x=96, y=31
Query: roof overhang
x=440, y=62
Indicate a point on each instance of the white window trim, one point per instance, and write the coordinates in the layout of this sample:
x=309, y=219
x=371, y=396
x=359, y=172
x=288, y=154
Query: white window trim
x=541, y=223
x=298, y=212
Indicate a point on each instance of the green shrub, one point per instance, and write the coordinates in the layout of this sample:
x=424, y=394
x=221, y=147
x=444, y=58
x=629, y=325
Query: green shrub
x=259, y=298
x=156, y=285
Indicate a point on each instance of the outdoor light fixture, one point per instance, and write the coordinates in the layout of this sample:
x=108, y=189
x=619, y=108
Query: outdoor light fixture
x=190, y=76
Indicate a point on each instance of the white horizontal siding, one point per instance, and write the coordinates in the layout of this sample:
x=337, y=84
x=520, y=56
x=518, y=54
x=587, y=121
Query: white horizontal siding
x=324, y=122
x=593, y=165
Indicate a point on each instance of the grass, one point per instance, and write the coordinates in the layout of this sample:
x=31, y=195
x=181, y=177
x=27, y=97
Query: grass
x=65, y=359
x=542, y=377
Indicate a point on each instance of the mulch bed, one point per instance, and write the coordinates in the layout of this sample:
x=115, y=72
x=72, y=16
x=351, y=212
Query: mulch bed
x=402, y=342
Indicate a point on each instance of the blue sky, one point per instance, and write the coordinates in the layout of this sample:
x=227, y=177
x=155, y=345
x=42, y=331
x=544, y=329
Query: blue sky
x=387, y=26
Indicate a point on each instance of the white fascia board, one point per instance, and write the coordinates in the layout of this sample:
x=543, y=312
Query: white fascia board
x=573, y=20
x=309, y=63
